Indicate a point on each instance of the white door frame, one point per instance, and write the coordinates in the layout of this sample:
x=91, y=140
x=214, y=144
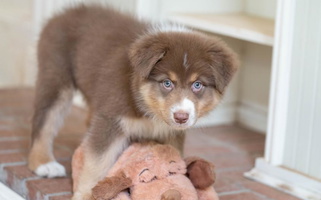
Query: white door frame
x=280, y=80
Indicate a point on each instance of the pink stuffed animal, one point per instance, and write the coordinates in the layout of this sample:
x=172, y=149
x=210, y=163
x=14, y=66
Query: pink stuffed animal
x=152, y=171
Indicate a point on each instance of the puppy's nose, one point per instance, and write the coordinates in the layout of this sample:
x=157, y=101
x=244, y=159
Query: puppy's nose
x=181, y=117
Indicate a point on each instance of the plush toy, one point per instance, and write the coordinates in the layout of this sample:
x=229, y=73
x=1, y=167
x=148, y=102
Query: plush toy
x=152, y=171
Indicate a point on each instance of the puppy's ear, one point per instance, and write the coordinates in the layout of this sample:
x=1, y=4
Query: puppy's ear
x=144, y=54
x=224, y=63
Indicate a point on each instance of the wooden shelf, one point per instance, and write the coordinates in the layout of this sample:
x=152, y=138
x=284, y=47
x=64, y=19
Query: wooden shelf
x=241, y=26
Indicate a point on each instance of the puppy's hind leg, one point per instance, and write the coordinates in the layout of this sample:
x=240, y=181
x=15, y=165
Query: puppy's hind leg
x=46, y=124
x=54, y=91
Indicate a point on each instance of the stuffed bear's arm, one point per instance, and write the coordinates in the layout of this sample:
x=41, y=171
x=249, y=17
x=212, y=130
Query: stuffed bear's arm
x=110, y=187
x=200, y=172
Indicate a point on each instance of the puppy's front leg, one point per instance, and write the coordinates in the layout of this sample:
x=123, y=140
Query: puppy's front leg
x=102, y=146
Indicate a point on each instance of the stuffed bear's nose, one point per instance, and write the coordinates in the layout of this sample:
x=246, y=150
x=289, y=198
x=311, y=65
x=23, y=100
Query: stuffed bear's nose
x=181, y=117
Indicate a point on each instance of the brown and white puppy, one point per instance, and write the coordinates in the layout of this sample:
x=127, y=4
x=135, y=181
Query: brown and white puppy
x=141, y=82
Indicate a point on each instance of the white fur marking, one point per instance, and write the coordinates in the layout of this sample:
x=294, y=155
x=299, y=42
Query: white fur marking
x=185, y=61
x=186, y=106
x=50, y=170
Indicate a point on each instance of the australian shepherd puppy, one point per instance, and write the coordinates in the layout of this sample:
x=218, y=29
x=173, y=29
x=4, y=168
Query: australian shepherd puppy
x=141, y=82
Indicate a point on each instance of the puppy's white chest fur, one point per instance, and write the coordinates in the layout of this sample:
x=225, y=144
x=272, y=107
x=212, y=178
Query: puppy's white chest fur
x=145, y=128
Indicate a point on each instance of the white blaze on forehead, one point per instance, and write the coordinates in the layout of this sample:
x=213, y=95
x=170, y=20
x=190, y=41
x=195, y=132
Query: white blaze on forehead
x=185, y=106
x=185, y=61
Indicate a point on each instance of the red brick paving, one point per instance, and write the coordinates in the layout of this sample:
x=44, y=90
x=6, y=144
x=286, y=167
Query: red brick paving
x=231, y=148
x=39, y=189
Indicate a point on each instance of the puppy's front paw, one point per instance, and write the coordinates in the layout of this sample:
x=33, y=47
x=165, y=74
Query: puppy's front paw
x=50, y=170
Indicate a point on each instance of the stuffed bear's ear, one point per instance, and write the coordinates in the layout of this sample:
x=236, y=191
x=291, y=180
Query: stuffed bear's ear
x=110, y=187
x=200, y=172
x=144, y=54
x=224, y=64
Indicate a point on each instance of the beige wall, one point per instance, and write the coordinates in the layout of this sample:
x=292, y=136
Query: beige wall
x=254, y=86
x=255, y=74
x=15, y=34
x=263, y=8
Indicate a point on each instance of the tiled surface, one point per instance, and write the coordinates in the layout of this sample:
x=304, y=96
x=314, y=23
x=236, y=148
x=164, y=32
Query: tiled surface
x=231, y=148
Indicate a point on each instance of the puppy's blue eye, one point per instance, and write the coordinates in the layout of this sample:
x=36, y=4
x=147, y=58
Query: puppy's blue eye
x=168, y=84
x=197, y=86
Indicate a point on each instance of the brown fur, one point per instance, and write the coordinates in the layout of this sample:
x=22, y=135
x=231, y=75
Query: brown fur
x=119, y=65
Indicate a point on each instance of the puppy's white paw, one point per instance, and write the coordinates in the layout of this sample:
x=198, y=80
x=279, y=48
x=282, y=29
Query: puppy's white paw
x=50, y=170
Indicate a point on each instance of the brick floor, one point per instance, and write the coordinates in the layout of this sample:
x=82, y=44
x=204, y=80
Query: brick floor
x=233, y=150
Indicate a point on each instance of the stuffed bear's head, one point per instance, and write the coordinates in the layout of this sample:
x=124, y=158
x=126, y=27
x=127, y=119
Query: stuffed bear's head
x=148, y=162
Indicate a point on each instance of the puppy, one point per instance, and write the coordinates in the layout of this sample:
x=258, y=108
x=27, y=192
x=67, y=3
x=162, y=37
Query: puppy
x=141, y=82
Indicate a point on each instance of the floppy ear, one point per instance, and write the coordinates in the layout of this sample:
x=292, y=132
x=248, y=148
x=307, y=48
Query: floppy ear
x=144, y=54
x=110, y=187
x=224, y=64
